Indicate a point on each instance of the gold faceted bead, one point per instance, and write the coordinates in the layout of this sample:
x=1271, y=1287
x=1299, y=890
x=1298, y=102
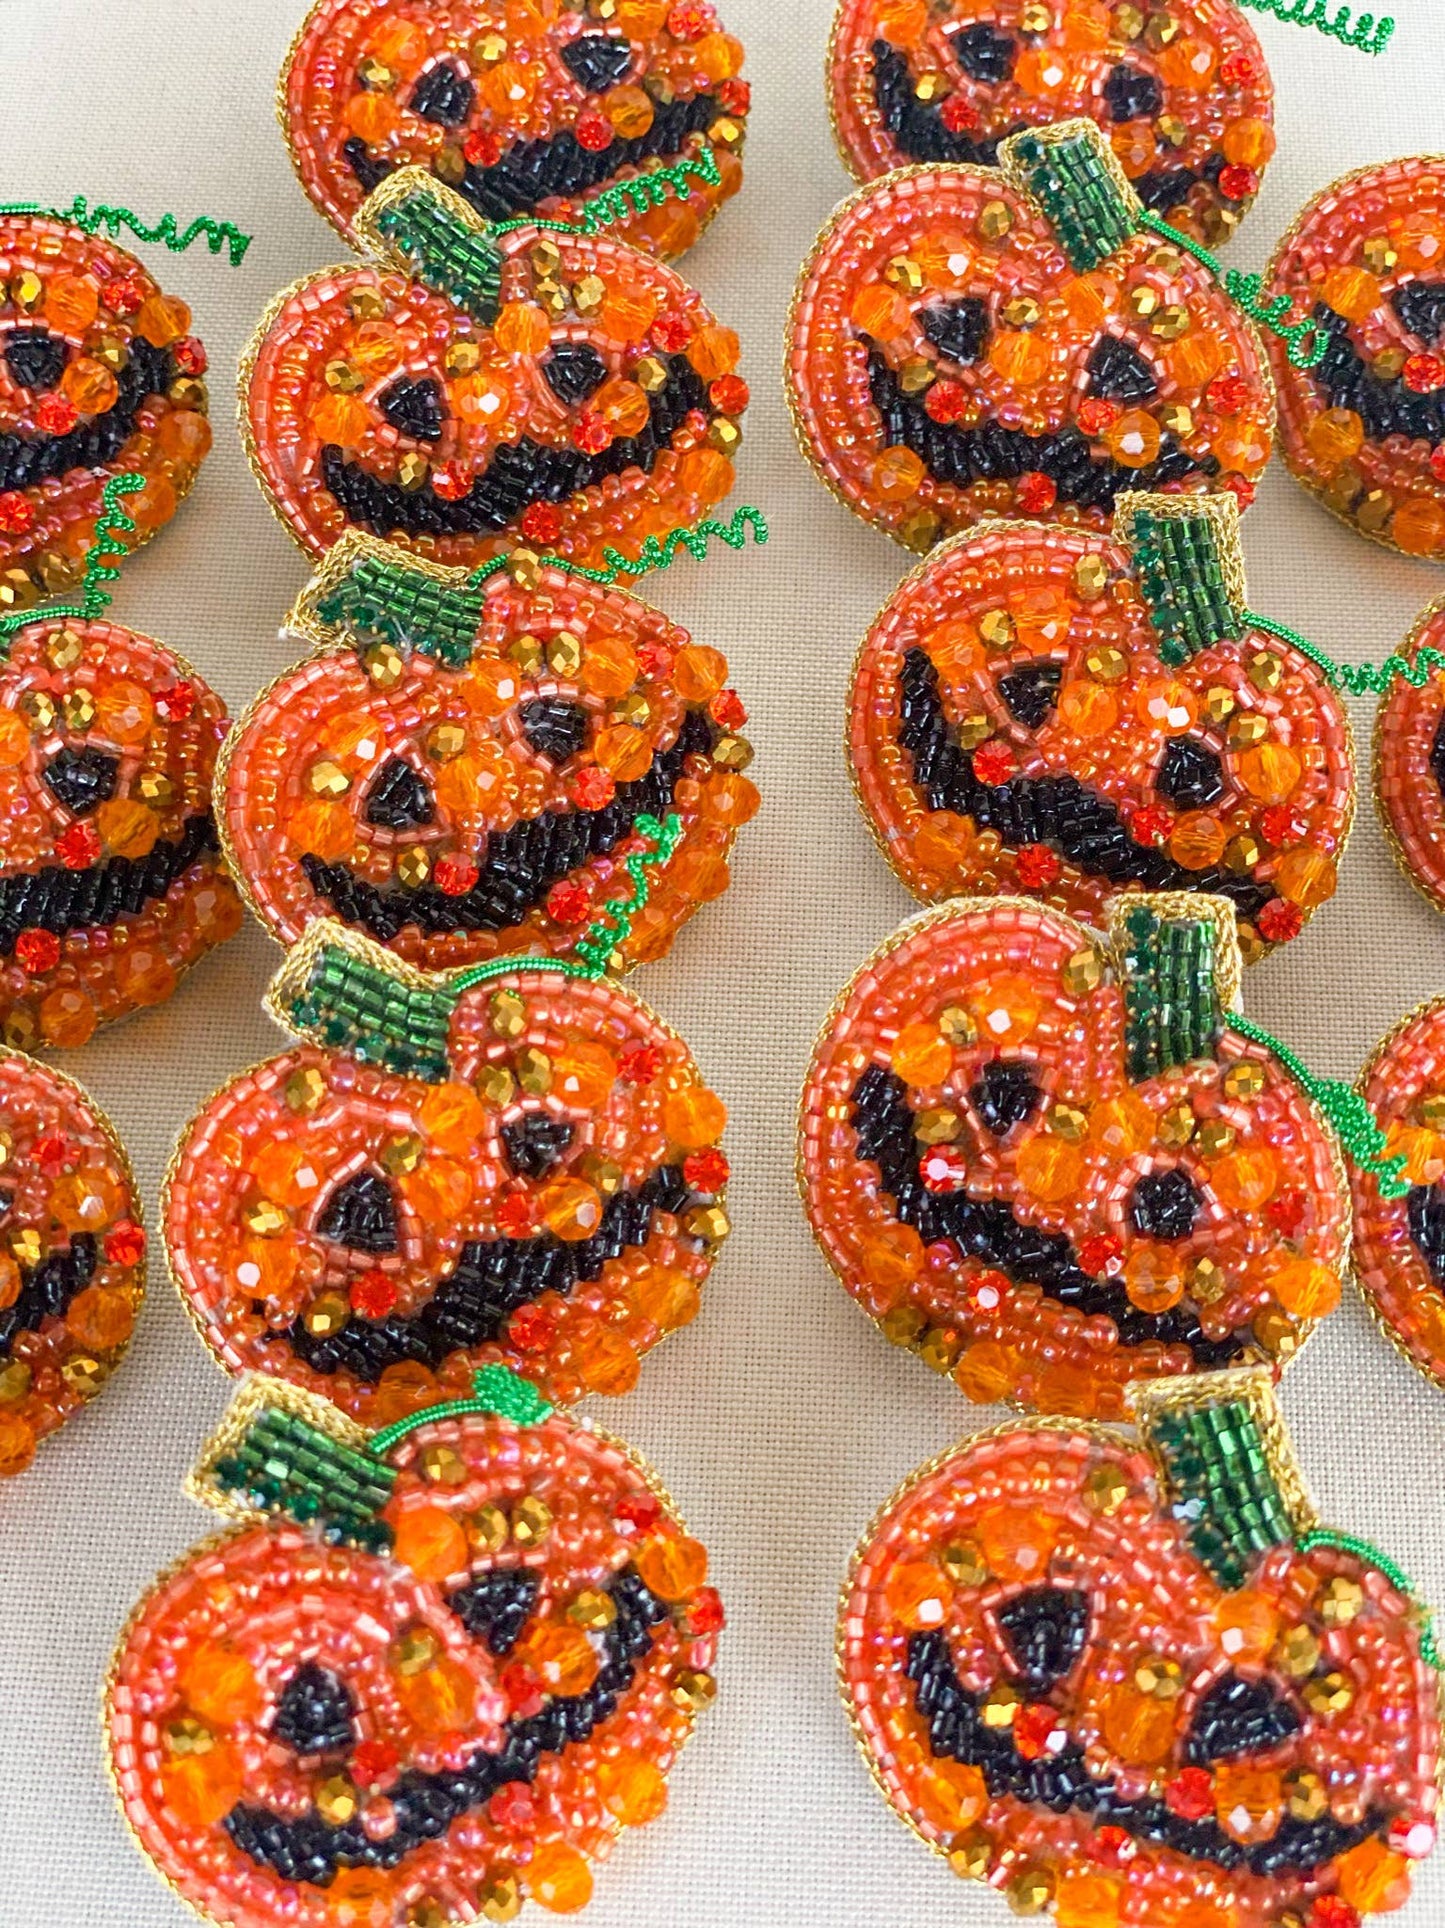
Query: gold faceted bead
x=1171, y=130
x=21, y=1028
x=604, y=1175
x=1159, y=1677
x=1389, y=364
x=1084, y=972
x=1277, y=1332
x=955, y=1024
x=327, y=779
x=1022, y=312
x=342, y=379
x=1000, y=1705
x=1162, y=30
x=564, y=653
x=998, y=629
x=931, y=86
x=633, y=708
x=1219, y=703
x=265, y=1217
x=1266, y=670
x=994, y=220
x=904, y=272
x=111, y=350
x=526, y=652
x=366, y=304
x=971, y=1856
x=1144, y=301
x=489, y=48
x=427, y=1913
x=26, y=1247
x=1066, y=1122
x=588, y=295
x=507, y=1014
x=63, y=651
x=449, y=164
x=84, y=1376
x=15, y=1378
x=534, y=1071
x=1091, y=577
x=412, y=471
x=916, y=375
x=376, y=74
x=524, y=566
x=1127, y=22
x=650, y=374
x=186, y=1736
x=500, y=1897
x=531, y=1520
x=1327, y=1694
x=1344, y=489
x=920, y=529
x=1177, y=418
x=1031, y=1892
x=732, y=753
x=486, y=1529
x=463, y=357
x=936, y=1126
x=305, y=1089
x=443, y=1466
x=495, y=1086
x=723, y=434
x=1036, y=17
x=78, y=709
x=1205, y=1281
x=1340, y=1601
x=592, y=1609
x=58, y=573
x=1298, y=1652
x=1106, y=664
x=27, y=291
x=445, y=741
x=1306, y=1795
x=710, y=1223
x=326, y=1315
x=545, y=257
x=693, y=1690
x=413, y=866
x=1242, y=853
x=337, y=1801
x=403, y=1155
x=939, y=1349
x=901, y=1325
x=552, y=298
x=384, y=665
x=1167, y=260
x=414, y=1650
x=154, y=786
x=1245, y=729
x=963, y=1562
x=1170, y=323
x=17, y=591
x=1105, y=1489
x=1244, y=1080
x=725, y=132
x=7, y=1145
x=975, y=729
x=1432, y=1111
x=1379, y=253
x=1175, y=1127
x=1214, y=1137
x=1375, y=511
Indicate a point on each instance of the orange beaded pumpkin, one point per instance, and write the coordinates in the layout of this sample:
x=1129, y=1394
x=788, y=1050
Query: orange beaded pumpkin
x=72, y=1266
x=966, y=343
x=523, y=106
x=442, y=1676
x=1052, y=1167
x=439, y=1177
x=460, y=772
x=1185, y=99
x=1145, y=1686
x=1410, y=758
x=111, y=884
x=542, y=384
x=1059, y=713
x=100, y=376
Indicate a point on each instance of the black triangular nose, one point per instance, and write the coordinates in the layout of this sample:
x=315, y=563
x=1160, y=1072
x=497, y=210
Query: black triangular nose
x=1239, y=1716
x=415, y=408
x=81, y=779
x=1119, y=372
x=596, y=61
x=1045, y=1628
x=361, y=1214
x=555, y=729
x=1164, y=1204
x=957, y=329
x=1190, y=774
x=535, y=1143
x=316, y=1713
x=1004, y=1095
x=496, y=1607
x=573, y=370
x=35, y=358
x=400, y=799
x=1031, y=692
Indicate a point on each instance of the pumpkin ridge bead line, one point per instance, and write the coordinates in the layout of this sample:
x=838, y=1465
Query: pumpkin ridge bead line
x=433, y=1682
x=1111, y=1678
x=1051, y=1164
x=1015, y=361
x=1050, y=711
x=467, y=387
x=522, y=109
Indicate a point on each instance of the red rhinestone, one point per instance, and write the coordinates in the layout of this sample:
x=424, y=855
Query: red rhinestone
x=569, y=902
x=1036, y=493
x=515, y=1216
x=993, y=762
x=593, y=131
x=17, y=513
x=190, y=356
x=37, y=951
x=451, y=482
x=640, y=1064
x=1280, y=826
x=730, y=394
x=945, y=401
x=482, y=149
x=1238, y=183
x=373, y=1294
x=1423, y=374
x=1032, y=1729
x=513, y=1808
x=655, y=660
x=959, y=115
x=1280, y=920
x=706, y=1171
x=1096, y=413
x=523, y=1691
x=373, y=1764
x=728, y=709
x=1101, y=1254
x=671, y=332
x=1333, y=1911
x=123, y=296
x=1240, y=69
x=943, y=1168
x=689, y=21
x=639, y=1513
x=1114, y=1846
x=591, y=434
x=176, y=703
x=125, y=1243
x=54, y=415
x=986, y=1292
x=541, y=522
x=1228, y=393
x=705, y=1612
x=593, y=788
x=455, y=874
x=532, y=1327
x=1151, y=827
x=1286, y=1212
x=78, y=846
x=1241, y=488
x=736, y=96
x=1037, y=866
x=50, y=1154
x=1190, y=1794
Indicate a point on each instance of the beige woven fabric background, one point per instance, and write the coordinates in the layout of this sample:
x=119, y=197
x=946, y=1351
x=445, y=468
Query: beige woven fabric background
x=779, y=1419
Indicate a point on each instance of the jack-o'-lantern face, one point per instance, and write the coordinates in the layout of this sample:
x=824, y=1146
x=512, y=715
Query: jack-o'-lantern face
x=595, y=407
x=460, y=813
x=464, y=1710
x=523, y=106
x=1364, y=429
x=945, y=362
x=111, y=883
x=1019, y=1176
x=99, y=376
x=1410, y=763
x=1016, y=727
x=72, y=1254
x=1188, y=117
x=552, y=1200
x=1108, y=1706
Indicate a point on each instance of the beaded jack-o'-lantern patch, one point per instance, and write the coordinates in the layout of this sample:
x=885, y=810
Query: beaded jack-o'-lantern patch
x=1410, y=757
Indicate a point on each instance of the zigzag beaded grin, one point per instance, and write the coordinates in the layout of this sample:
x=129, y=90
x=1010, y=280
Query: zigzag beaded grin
x=28, y=460
x=1385, y=407
x=61, y=901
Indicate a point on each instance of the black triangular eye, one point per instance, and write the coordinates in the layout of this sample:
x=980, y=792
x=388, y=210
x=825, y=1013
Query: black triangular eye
x=1190, y=774
x=1164, y=1205
x=496, y=1607
x=1004, y=1095
x=1031, y=692
x=1133, y=94
x=400, y=799
x=984, y=53
x=1119, y=373
x=1239, y=1716
x=535, y=1142
x=361, y=1215
x=444, y=95
x=82, y=779
x=316, y=1713
x=596, y=61
x=957, y=329
x=1421, y=307
x=554, y=728
x=574, y=370
x=416, y=409
x=1046, y=1628
x=35, y=358
x=1425, y=1209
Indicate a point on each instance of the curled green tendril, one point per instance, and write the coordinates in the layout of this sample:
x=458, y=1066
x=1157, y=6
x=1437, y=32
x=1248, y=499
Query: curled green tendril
x=626, y=198
x=1308, y=343
x=654, y=554
x=1368, y=35
x=496, y=1392
x=112, y=522
x=1362, y=1550
x=1346, y=1110
x=1357, y=679
x=614, y=927
x=80, y=214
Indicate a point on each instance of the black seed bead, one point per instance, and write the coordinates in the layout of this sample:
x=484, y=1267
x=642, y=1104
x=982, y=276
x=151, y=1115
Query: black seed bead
x=985, y=53
x=1164, y=1204
x=596, y=61
x=1031, y=692
x=496, y=1606
x=1119, y=373
x=415, y=409
x=1132, y=93
x=1005, y=1094
x=535, y=1142
x=1046, y=1628
x=81, y=779
x=574, y=370
x=400, y=797
x=361, y=1215
x=1239, y=1716
x=917, y=127
x=1190, y=774
x=25, y=462
x=1166, y=188
x=1421, y=307
x=958, y=329
x=1425, y=1211
x=555, y=728
x=36, y=358
x=444, y=95
x=316, y=1713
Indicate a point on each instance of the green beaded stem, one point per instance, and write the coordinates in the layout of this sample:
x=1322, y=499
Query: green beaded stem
x=1346, y=1110
x=384, y=601
x=358, y=1007
x=1368, y=35
x=1182, y=581
x=283, y=1464
x=99, y=566
x=1357, y=679
x=80, y=214
x=496, y=1392
x=1307, y=341
x=453, y=260
x=1225, y=1491
x=626, y=198
x=653, y=555
x=1074, y=185
x=1172, y=1007
x=1323, y=1536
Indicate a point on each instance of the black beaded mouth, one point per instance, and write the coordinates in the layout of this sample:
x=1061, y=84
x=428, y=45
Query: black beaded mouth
x=1425, y=1214
x=63, y=901
x=28, y=460
x=310, y=1850
x=1385, y=406
x=46, y=1292
x=1061, y=1783
x=518, y=474
x=522, y=864
x=988, y=1229
x=1058, y=812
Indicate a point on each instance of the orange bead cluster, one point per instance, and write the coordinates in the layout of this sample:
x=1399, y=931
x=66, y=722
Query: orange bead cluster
x=939, y=303
x=92, y=356
x=1139, y=1823
x=1364, y=430
x=521, y=105
x=200, y=1721
x=980, y=1056
x=1183, y=93
x=1235, y=766
x=1408, y=790
x=72, y=1257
